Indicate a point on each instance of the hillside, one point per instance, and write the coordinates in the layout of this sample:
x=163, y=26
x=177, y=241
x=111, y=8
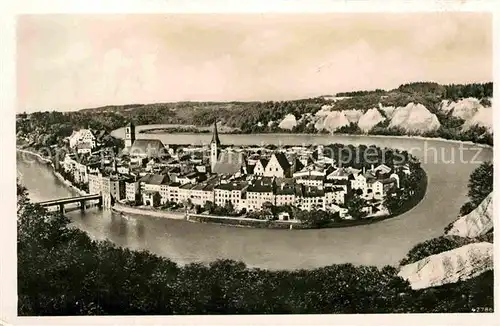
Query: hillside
x=461, y=112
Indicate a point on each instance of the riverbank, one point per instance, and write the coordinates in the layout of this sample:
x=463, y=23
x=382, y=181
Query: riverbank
x=47, y=161
x=40, y=157
x=119, y=208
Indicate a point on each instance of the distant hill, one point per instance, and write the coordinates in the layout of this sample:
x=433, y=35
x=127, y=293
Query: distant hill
x=422, y=101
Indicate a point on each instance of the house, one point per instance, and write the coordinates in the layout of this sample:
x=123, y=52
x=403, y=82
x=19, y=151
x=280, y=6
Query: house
x=132, y=190
x=334, y=195
x=173, y=192
x=154, y=182
x=311, y=180
x=114, y=185
x=339, y=174
x=187, y=178
x=185, y=193
x=84, y=148
x=94, y=183
x=363, y=181
x=259, y=192
x=285, y=192
x=201, y=193
x=82, y=136
x=343, y=212
x=260, y=167
x=380, y=187
x=285, y=216
x=383, y=169
x=146, y=148
x=80, y=172
x=278, y=166
x=151, y=198
x=309, y=198
x=233, y=192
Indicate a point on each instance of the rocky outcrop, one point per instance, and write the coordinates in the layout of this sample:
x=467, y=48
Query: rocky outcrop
x=288, y=122
x=483, y=118
x=353, y=115
x=465, y=108
x=414, y=118
x=450, y=266
x=370, y=119
x=477, y=222
x=331, y=121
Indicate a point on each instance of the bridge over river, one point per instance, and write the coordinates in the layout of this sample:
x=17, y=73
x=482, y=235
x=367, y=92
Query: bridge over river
x=80, y=201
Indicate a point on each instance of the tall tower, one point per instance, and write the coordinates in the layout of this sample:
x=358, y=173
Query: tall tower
x=129, y=134
x=214, y=147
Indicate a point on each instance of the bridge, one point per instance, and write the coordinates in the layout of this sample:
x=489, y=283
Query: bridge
x=70, y=200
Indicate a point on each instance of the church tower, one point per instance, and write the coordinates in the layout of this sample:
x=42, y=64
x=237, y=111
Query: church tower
x=214, y=147
x=129, y=134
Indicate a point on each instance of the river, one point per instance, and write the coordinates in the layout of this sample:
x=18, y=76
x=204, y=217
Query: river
x=378, y=244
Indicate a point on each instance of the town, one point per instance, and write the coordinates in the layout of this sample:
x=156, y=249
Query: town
x=256, y=182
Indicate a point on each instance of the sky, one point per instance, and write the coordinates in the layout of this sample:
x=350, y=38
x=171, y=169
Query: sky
x=69, y=62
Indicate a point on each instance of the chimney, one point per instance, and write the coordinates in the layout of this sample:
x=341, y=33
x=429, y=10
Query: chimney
x=373, y=167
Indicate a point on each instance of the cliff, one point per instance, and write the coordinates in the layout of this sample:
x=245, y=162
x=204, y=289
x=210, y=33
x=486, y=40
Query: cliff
x=288, y=122
x=370, y=119
x=450, y=266
x=477, y=222
x=483, y=118
x=465, y=108
x=331, y=121
x=353, y=115
x=414, y=118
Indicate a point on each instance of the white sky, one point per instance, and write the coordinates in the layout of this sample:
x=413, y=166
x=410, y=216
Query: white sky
x=68, y=62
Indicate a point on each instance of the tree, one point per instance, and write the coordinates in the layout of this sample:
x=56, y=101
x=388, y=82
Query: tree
x=314, y=218
x=480, y=183
x=393, y=201
x=229, y=207
x=355, y=207
x=209, y=206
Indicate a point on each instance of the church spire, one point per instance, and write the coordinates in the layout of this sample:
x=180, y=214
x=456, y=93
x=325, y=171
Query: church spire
x=215, y=136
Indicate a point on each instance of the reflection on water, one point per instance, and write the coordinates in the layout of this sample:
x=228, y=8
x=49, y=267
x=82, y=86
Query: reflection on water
x=374, y=244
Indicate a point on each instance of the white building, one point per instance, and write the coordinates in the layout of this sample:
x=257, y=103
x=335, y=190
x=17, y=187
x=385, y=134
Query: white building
x=278, y=166
x=233, y=192
x=82, y=137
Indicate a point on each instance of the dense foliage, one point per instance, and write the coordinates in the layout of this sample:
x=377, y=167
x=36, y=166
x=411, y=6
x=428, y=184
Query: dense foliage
x=480, y=186
x=61, y=271
x=411, y=191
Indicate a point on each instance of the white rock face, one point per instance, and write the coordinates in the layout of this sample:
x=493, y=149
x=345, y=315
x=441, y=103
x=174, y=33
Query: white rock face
x=288, y=122
x=465, y=108
x=477, y=222
x=388, y=110
x=483, y=117
x=414, y=118
x=325, y=110
x=353, y=115
x=370, y=119
x=332, y=121
x=450, y=266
